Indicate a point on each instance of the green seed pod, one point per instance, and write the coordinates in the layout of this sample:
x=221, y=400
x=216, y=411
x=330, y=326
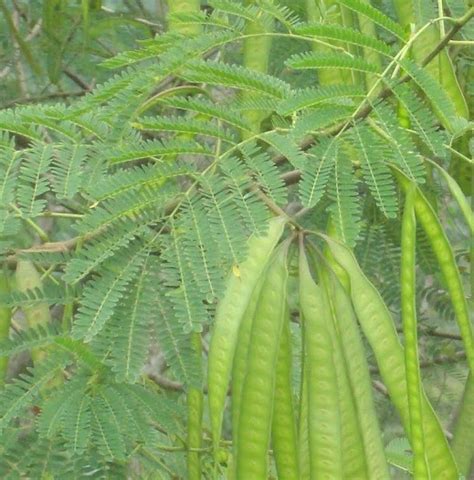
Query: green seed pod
x=355, y=362
x=256, y=51
x=463, y=432
x=447, y=263
x=259, y=384
x=239, y=369
x=378, y=327
x=229, y=314
x=412, y=368
x=284, y=437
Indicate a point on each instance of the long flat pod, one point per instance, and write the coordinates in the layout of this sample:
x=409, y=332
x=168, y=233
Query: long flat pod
x=259, y=383
x=228, y=317
x=379, y=329
x=447, y=263
x=358, y=372
x=256, y=50
x=303, y=427
x=412, y=367
x=240, y=365
x=463, y=432
x=324, y=423
x=353, y=456
x=284, y=436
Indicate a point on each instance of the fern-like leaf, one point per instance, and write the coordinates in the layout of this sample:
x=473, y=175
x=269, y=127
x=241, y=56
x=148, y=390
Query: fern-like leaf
x=310, y=97
x=372, y=154
x=316, y=171
x=235, y=76
x=67, y=169
x=317, y=60
x=184, y=125
x=374, y=14
x=438, y=97
x=130, y=327
x=343, y=34
x=101, y=295
x=33, y=182
x=17, y=395
x=343, y=192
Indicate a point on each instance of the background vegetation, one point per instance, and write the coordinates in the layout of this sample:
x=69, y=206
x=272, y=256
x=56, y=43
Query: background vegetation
x=138, y=154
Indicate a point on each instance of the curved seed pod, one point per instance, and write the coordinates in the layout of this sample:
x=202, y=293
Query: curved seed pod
x=195, y=408
x=259, y=383
x=28, y=278
x=256, y=50
x=303, y=430
x=284, y=438
x=412, y=368
x=353, y=456
x=378, y=327
x=447, y=263
x=5, y=320
x=239, y=369
x=228, y=317
x=324, y=422
x=359, y=378
x=463, y=435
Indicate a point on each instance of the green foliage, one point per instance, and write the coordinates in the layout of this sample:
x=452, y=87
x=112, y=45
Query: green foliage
x=136, y=200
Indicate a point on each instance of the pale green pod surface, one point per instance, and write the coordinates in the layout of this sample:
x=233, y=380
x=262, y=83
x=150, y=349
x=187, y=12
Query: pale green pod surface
x=379, y=329
x=229, y=314
x=256, y=52
x=303, y=428
x=324, y=422
x=408, y=304
x=28, y=278
x=353, y=455
x=284, y=437
x=259, y=384
x=444, y=254
x=359, y=377
x=463, y=434
x=239, y=369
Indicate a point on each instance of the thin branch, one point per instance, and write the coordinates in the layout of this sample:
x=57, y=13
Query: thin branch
x=77, y=80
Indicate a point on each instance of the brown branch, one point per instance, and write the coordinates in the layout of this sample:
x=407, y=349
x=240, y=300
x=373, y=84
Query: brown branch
x=77, y=80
